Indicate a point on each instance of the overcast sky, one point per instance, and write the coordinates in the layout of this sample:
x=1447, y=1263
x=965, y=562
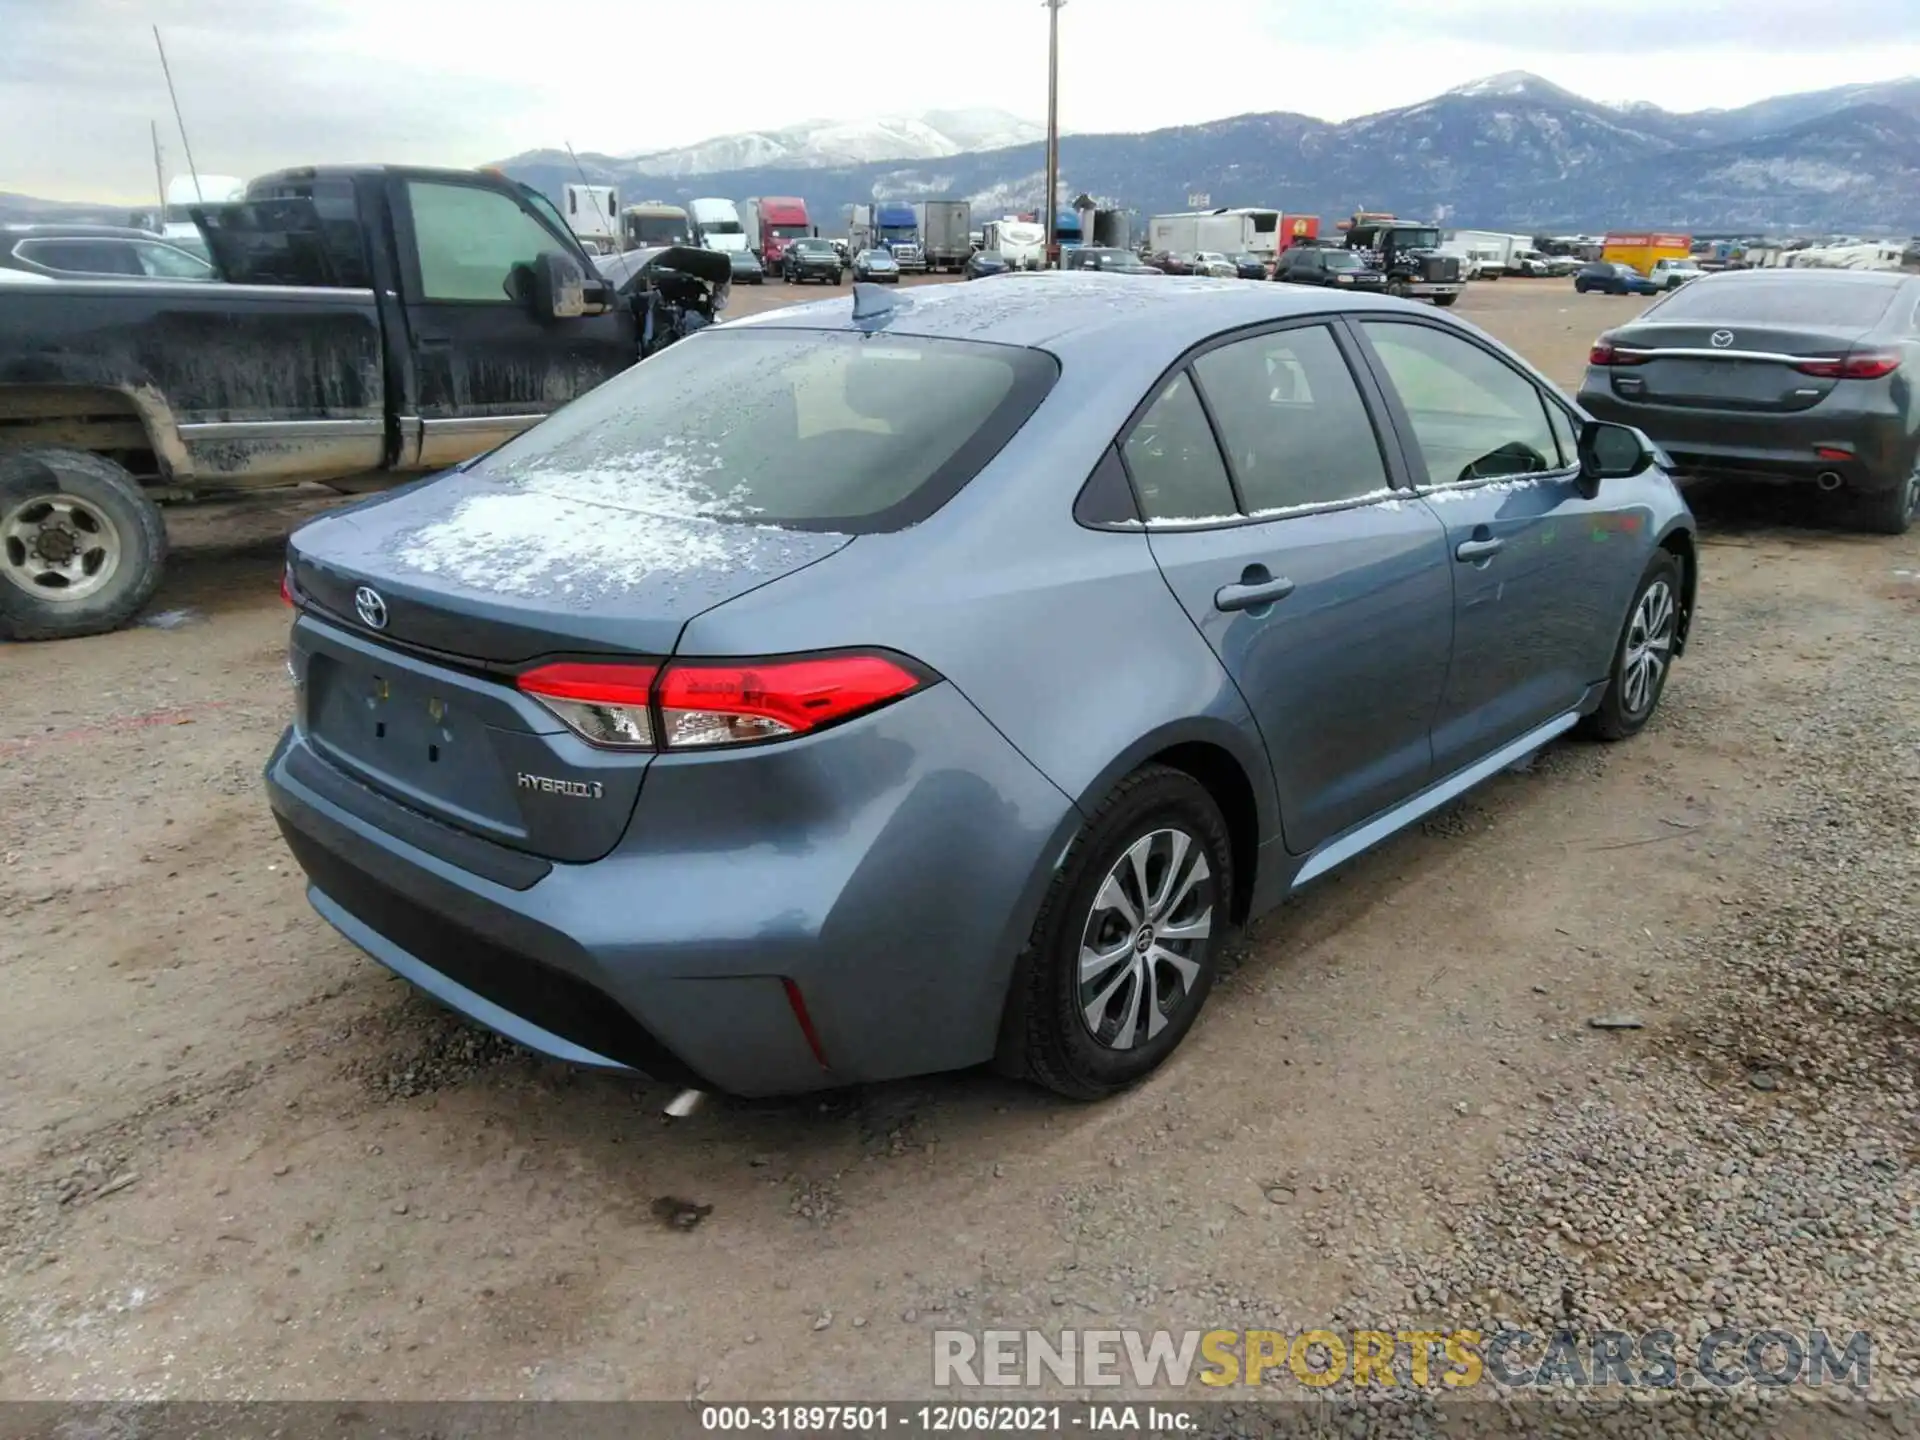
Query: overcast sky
x=267, y=83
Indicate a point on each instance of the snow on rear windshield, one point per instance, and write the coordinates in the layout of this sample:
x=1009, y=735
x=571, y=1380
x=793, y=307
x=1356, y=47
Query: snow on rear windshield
x=811, y=429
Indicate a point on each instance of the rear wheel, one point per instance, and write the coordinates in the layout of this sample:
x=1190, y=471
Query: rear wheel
x=1123, y=953
x=1643, y=655
x=1893, y=511
x=81, y=546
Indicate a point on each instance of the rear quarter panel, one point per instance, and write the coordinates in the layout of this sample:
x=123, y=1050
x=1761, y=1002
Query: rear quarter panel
x=1066, y=639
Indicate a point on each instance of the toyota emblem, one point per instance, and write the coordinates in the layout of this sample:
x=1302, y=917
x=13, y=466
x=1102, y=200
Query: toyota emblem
x=1721, y=339
x=371, y=609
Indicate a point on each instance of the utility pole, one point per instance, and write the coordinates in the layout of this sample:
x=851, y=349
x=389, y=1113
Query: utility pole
x=185, y=144
x=1053, y=120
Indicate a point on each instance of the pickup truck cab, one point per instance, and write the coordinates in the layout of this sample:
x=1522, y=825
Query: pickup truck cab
x=378, y=323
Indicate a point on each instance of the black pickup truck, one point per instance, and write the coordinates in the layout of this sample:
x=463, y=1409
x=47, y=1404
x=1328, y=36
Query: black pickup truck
x=379, y=322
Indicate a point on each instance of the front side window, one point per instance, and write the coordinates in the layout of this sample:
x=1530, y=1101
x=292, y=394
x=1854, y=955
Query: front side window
x=1175, y=463
x=1292, y=421
x=470, y=239
x=164, y=262
x=1475, y=417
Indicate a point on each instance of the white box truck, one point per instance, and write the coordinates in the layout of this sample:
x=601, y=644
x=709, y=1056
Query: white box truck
x=593, y=212
x=1227, y=232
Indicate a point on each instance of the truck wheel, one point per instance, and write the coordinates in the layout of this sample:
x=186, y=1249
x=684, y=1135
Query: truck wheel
x=81, y=546
x=1398, y=289
x=1443, y=301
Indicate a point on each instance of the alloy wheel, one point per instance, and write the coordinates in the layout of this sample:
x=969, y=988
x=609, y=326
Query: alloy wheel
x=1649, y=647
x=1144, y=940
x=58, y=546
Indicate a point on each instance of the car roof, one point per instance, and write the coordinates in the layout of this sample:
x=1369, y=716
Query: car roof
x=1068, y=310
x=59, y=230
x=1887, y=279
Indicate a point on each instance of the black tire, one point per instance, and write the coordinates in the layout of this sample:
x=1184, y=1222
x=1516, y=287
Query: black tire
x=1444, y=301
x=1046, y=1037
x=1617, y=717
x=1892, y=511
x=115, y=509
x=1398, y=289
x=1579, y=287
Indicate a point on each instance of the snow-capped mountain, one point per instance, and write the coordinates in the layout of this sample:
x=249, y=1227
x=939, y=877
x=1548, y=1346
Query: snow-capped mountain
x=818, y=144
x=1510, y=152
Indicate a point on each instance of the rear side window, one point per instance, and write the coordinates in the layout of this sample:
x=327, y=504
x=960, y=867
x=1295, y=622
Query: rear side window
x=1292, y=420
x=1174, y=462
x=808, y=429
x=1824, y=301
x=82, y=256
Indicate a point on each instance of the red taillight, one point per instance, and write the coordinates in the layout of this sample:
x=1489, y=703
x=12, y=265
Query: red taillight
x=1866, y=365
x=603, y=704
x=286, y=587
x=714, y=702
x=1605, y=352
x=717, y=703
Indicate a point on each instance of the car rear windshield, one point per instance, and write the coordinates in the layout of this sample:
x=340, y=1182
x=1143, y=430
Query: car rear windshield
x=805, y=429
x=1827, y=303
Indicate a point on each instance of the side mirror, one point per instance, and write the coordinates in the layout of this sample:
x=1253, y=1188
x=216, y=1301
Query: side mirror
x=1613, y=452
x=559, y=290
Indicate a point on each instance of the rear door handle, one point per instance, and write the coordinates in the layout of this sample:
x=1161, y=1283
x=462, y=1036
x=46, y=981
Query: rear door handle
x=1474, y=551
x=1247, y=595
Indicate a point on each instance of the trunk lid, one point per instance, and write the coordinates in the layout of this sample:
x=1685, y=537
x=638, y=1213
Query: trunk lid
x=1747, y=367
x=473, y=577
x=499, y=569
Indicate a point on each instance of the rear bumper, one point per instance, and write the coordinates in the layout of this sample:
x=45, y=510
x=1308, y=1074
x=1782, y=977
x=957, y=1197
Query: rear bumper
x=889, y=869
x=1768, y=447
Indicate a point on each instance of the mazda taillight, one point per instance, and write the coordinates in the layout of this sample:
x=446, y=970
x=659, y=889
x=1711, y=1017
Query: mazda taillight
x=715, y=702
x=690, y=704
x=1605, y=352
x=603, y=704
x=1863, y=365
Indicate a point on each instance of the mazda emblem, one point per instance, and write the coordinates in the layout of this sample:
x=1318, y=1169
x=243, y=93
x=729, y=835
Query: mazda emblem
x=1721, y=339
x=371, y=609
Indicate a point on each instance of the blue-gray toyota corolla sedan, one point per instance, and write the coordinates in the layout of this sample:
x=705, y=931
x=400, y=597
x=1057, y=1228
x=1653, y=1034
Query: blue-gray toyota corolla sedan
x=869, y=689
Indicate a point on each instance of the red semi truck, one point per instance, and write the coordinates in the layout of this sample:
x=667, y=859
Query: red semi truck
x=771, y=222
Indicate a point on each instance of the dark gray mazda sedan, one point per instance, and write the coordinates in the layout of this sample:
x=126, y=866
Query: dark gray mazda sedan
x=1803, y=376
x=874, y=688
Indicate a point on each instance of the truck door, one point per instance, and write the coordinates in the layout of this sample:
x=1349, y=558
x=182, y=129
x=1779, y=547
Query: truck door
x=485, y=368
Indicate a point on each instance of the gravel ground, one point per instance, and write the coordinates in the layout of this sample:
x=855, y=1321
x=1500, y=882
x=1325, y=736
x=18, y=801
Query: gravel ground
x=239, y=1161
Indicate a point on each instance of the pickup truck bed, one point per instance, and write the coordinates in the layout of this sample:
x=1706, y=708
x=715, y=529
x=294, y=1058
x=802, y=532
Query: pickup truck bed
x=371, y=331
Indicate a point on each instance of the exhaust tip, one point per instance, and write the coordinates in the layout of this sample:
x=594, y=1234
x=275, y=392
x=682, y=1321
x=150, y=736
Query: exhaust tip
x=1829, y=480
x=685, y=1103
